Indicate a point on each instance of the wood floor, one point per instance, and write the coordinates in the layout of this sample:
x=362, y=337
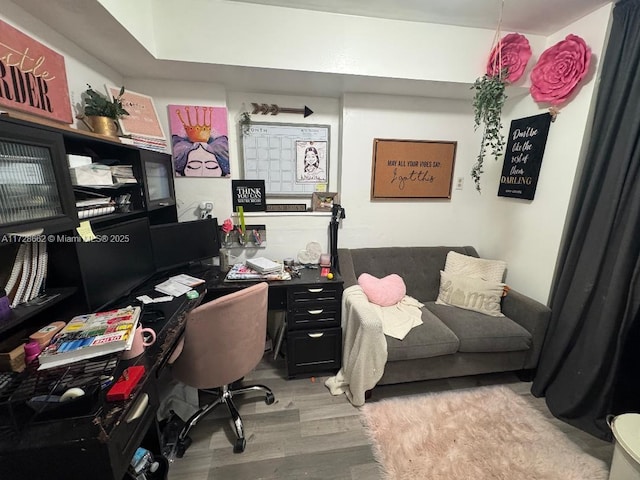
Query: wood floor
x=309, y=434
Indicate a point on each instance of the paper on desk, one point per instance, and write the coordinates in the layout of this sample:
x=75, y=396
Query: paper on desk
x=171, y=287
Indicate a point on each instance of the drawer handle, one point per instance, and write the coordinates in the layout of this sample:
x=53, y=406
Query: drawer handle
x=315, y=290
x=315, y=335
x=138, y=408
x=315, y=312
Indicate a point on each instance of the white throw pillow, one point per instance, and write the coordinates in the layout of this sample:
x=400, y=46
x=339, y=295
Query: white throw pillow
x=470, y=293
x=490, y=270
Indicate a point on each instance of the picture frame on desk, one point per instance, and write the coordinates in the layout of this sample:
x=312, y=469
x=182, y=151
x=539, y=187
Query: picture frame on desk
x=324, y=201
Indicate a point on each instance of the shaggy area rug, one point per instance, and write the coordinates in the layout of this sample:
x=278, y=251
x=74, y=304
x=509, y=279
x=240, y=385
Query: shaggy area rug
x=483, y=433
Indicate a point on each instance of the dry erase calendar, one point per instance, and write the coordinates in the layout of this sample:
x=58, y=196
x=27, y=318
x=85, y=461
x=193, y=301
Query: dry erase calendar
x=291, y=158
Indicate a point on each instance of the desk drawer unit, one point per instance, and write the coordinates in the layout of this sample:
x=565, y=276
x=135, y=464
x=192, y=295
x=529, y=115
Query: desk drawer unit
x=311, y=351
x=314, y=334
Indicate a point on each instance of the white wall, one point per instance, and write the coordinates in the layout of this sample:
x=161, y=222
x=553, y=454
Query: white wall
x=296, y=39
x=414, y=222
x=286, y=233
x=527, y=234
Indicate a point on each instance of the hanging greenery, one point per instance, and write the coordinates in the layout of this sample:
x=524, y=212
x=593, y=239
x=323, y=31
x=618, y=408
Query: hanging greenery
x=488, y=100
x=245, y=122
x=507, y=63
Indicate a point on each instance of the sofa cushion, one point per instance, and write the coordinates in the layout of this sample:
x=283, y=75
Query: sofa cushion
x=430, y=339
x=490, y=270
x=482, y=333
x=470, y=293
x=385, y=291
x=419, y=267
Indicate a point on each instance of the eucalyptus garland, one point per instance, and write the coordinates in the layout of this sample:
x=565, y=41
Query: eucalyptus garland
x=488, y=101
x=245, y=122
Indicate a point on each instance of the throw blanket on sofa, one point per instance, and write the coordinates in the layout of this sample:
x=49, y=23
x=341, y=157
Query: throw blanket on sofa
x=364, y=351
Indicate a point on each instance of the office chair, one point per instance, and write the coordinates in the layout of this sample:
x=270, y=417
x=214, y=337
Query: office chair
x=223, y=341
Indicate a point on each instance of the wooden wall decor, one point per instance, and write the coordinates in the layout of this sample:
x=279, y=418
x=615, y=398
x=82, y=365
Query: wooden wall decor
x=34, y=79
x=412, y=169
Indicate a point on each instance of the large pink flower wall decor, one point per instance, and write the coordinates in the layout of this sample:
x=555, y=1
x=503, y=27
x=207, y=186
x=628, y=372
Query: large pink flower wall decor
x=559, y=70
x=513, y=53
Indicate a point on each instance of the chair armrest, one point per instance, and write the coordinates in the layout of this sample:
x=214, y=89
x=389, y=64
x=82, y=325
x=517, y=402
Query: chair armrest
x=533, y=316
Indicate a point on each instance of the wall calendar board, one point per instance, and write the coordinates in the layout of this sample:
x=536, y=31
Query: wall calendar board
x=291, y=158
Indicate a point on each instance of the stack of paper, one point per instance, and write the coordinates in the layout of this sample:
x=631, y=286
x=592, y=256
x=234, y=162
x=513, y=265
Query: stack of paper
x=263, y=265
x=178, y=285
x=123, y=174
x=27, y=277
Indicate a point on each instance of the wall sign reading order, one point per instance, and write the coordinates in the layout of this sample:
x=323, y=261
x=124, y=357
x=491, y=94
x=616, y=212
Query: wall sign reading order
x=412, y=169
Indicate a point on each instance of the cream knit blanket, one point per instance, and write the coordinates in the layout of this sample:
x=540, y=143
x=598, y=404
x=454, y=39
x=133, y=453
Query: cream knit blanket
x=364, y=351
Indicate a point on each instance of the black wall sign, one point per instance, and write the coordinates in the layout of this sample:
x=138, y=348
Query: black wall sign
x=249, y=194
x=523, y=157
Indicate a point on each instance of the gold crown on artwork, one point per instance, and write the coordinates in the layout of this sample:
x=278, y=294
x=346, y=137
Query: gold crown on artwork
x=197, y=132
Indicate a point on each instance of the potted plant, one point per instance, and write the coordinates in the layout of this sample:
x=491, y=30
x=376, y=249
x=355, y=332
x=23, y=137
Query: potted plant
x=101, y=113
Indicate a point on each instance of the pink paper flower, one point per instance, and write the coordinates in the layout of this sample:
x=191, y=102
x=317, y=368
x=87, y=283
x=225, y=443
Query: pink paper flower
x=512, y=52
x=227, y=225
x=559, y=70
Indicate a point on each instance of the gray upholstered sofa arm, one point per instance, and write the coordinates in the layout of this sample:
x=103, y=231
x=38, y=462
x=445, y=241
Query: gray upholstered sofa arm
x=347, y=272
x=532, y=315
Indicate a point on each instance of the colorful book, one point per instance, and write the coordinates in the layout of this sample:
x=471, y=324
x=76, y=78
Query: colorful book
x=91, y=335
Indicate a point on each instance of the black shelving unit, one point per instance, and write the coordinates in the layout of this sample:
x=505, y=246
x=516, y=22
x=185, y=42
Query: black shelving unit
x=20, y=314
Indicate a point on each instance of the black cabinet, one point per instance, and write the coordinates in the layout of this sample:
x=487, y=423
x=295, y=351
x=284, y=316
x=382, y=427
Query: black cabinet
x=35, y=188
x=37, y=197
x=314, y=334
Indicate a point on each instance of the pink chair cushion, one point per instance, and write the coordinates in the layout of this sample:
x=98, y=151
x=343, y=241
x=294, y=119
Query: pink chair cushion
x=385, y=291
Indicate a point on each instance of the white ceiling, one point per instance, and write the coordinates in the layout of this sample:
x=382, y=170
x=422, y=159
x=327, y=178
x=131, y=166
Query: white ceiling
x=88, y=24
x=541, y=17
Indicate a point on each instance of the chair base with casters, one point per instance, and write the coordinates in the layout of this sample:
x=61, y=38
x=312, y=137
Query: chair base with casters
x=224, y=395
x=223, y=341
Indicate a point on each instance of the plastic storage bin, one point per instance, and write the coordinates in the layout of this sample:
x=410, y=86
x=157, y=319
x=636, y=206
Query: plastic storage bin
x=625, y=464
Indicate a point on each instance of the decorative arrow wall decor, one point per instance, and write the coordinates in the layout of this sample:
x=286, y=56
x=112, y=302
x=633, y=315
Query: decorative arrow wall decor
x=273, y=109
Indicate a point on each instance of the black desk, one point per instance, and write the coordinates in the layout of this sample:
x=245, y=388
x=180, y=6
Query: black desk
x=99, y=441
x=312, y=330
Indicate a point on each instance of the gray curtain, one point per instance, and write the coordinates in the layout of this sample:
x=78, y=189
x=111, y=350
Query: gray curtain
x=596, y=293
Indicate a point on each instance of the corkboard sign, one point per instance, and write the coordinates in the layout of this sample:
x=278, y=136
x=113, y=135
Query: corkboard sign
x=412, y=169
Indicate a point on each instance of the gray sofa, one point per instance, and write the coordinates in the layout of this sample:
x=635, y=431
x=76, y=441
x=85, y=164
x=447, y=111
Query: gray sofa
x=452, y=341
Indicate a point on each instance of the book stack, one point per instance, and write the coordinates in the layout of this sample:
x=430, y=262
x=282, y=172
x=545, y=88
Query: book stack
x=123, y=174
x=94, y=207
x=149, y=143
x=263, y=265
x=91, y=335
x=27, y=277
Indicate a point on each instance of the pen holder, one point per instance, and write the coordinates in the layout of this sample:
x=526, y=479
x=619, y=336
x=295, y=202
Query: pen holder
x=143, y=337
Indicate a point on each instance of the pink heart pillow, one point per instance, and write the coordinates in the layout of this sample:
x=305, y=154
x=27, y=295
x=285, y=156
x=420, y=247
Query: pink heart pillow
x=385, y=291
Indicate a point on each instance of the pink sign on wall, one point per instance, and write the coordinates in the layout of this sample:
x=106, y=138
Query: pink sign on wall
x=199, y=141
x=33, y=78
x=142, y=119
